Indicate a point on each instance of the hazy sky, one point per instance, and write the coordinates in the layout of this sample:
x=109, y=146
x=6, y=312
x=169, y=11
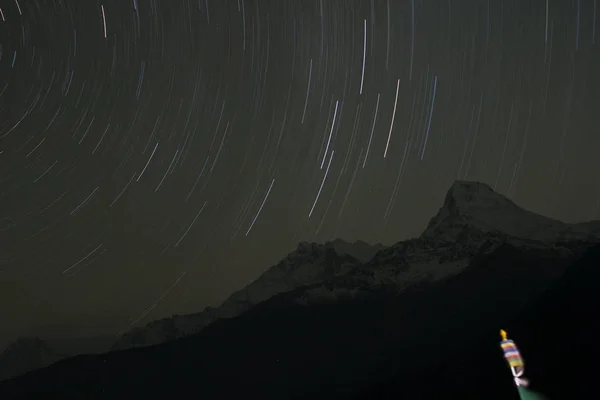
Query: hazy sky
x=156, y=155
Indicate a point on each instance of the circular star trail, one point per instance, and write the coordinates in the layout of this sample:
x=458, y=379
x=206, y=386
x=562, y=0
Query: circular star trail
x=157, y=155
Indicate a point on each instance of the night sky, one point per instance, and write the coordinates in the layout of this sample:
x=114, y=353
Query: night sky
x=157, y=155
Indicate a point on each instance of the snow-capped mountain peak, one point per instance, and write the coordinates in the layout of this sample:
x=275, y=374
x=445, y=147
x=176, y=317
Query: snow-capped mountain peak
x=475, y=206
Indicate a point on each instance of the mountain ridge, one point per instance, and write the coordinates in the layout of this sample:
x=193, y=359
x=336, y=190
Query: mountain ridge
x=310, y=262
x=492, y=212
x=25, y=353
x=283, y=349
x=462, y=227
x=458, y=236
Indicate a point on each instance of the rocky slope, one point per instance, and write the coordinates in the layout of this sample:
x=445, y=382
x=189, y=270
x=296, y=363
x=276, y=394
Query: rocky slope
x=474, y=208
x=474, y=221
x=310, y=263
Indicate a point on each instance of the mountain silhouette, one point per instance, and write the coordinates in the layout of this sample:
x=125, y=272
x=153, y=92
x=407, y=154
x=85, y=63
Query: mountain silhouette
x=420, y=319
x=473, y=218
x=310, y=263
x=26, y=354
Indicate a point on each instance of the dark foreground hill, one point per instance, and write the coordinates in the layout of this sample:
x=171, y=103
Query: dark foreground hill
x=436, y=340
x=557, y=336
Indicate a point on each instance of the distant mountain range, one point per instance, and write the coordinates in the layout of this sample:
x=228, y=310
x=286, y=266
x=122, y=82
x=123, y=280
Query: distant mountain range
x=347, y=320
x=26, y=354
x=29, y=353
x=310, y=263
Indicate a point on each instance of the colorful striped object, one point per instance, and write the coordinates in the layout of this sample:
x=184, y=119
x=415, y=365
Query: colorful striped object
x=511, y=353
x=515, y=362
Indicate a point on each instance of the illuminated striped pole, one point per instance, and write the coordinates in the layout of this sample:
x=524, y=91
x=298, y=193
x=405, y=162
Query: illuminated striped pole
x=517, y=367
x=513, y=357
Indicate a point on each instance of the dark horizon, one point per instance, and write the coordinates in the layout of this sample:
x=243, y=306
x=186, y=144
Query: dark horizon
x=155, y=157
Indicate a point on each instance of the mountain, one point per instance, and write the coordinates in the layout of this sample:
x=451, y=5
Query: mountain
x=30, y=353
x=283, y=349
x=360, y=250
x=26, y=354
x=310, y=263
x=417, y=317
x=473, y=207
x=473, y=219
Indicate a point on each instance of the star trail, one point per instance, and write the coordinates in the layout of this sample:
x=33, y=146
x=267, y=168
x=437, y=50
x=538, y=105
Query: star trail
x=157, y=155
